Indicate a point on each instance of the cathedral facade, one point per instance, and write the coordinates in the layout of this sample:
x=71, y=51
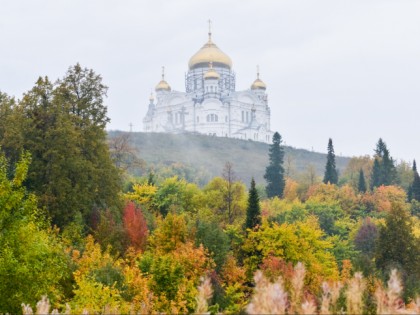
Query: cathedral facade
x=210, y=104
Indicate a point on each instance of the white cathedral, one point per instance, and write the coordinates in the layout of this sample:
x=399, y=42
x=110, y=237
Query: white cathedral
x=211, y=105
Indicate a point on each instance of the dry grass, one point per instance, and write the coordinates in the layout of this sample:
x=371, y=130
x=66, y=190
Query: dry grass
x=205, y=292
x=272, y=298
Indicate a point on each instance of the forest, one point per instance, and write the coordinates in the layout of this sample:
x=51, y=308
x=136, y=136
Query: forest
x=88, y=226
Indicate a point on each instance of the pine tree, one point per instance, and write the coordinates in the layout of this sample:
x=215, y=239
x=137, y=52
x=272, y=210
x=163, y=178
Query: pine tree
x=415, y=186
x=362, y=183
x=330, y=175
x=253, y=212
x=384, y=171
x=274, y=173
x=375, y=180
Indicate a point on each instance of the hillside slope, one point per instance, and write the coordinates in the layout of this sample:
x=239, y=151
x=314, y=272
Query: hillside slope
x=209, y=154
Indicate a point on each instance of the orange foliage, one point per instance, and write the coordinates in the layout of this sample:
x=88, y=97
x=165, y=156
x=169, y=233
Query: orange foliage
x=232, y=273
x=384, y=196
x=346, y=270
x=290, y=192
x=274, y=267
x=135, y=226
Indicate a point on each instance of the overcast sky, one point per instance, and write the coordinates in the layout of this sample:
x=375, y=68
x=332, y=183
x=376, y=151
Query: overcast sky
x=349, y=70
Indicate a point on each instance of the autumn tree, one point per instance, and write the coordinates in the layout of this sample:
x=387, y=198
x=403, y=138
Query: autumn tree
x=253, y=211
x=274, y=173
x=135, y=226
x=330, y=175
x=361, y=187
x=124, y=154
x=32, y=257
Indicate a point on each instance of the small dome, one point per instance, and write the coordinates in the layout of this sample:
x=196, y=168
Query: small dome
x=163, y=85
x=211, y=73
x=210, y=53
x=258, y=83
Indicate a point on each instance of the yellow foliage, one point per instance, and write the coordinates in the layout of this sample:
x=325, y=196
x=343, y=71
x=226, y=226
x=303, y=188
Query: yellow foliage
x=143, y=193
x=290, y=192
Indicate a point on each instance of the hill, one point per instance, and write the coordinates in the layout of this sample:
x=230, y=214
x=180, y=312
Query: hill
x=207, y=155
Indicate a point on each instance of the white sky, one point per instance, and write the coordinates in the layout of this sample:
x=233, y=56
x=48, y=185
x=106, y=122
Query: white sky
x=346, y=69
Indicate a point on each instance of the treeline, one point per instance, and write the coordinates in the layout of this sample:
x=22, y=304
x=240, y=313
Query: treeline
x=75, y=226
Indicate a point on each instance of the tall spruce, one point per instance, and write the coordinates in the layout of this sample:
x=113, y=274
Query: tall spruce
x=414, y=192
x=274, y=173
x=384, y=171
x=253, y=212
x=331, y=175
x=362, y=182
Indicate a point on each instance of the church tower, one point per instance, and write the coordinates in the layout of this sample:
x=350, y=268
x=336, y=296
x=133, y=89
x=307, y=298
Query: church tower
x=210, y=104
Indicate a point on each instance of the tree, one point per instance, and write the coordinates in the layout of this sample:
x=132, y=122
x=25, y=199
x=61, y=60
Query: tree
x=414, y=192
x=135, y=226
x=253, y=212
x=384, y=171
x=63, y=126
x=397, y=245
x=362, y=183
x=274, y=173
x=32, y=257
x=230, y=177
x=330, y=175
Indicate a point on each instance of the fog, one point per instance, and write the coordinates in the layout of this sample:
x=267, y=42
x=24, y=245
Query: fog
x=342, y=69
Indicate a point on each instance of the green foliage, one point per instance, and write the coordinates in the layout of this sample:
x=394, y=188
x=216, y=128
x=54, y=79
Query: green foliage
x=361, y=187
x=414, y=191
x=220, y=196
x=63, y=126
x=253, y=211
x=397, y=246
x=330, y=175
x=215, y=240
x=274, y=173
x=384, y=171
x=32, y=258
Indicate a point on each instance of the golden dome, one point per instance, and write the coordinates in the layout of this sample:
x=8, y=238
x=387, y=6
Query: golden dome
x=258, y=83
x=163, y=85
x=210, y=53
x=211, y=73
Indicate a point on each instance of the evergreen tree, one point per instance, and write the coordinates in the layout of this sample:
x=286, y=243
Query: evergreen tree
x=331, y=175
x=375, y=180
x=274, y=173
x=384, y=171
x=415, y=186
x=253, y=212
x=362, y=183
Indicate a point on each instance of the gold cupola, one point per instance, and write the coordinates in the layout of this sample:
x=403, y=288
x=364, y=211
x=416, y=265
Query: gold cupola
x=258, y=83
x=211, y=73
x=163, y=85
x=210, y=53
